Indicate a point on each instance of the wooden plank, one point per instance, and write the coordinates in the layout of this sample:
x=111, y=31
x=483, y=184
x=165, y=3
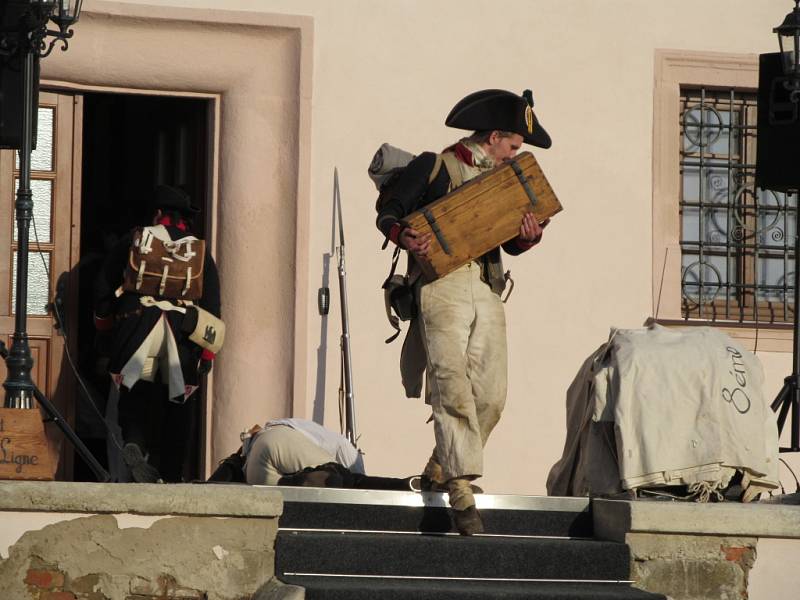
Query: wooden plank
x=39, y=353
x=24, y=450
x=482, y=214
x=38, y=326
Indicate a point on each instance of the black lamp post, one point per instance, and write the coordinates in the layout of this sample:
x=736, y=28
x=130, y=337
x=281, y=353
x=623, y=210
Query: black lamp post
x=25, y=36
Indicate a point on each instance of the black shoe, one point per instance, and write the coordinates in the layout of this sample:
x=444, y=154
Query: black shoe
x=468, y=521
x=141, y=470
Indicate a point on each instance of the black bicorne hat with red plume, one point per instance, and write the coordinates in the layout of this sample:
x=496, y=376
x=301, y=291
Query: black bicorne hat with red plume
x=167, y=197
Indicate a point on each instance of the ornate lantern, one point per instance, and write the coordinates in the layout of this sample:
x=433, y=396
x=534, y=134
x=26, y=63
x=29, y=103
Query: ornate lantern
x=789, y=40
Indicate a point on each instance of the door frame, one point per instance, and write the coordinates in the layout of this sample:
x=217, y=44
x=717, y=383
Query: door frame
x=261, y=63
x=211, y=204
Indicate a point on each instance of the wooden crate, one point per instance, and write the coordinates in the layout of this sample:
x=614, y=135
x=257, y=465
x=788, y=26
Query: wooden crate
x=482, y=214
x=24, y=450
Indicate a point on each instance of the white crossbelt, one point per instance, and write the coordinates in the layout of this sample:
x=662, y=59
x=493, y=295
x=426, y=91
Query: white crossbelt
x=165, y=305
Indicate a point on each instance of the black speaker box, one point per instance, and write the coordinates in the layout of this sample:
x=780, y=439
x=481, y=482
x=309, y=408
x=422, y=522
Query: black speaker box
x=778, y=146
x=12, y=17
x=11, y=101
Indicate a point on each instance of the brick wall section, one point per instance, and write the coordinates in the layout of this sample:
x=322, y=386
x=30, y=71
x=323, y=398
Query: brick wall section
x=57, y=596
x=735, y=554
x=692, y=567
x=140, y=597
x=44, y=578
x=49, y=583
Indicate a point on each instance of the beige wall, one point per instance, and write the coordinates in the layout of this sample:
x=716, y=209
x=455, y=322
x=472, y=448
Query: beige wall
x=772, y=576
x=390, y=71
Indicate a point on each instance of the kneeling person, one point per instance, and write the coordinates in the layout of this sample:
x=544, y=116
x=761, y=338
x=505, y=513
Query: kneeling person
x=287, y=446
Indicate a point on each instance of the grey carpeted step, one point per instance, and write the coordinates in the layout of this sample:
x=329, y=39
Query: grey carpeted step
x=449, y=556
x=381, y=510
x=348, y=588
x=431, y=519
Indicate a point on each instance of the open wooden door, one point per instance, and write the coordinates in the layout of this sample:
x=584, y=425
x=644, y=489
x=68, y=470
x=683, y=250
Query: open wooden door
x=54, y=249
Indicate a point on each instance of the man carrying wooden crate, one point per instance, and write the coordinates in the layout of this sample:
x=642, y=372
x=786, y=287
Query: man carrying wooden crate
x=461, y=318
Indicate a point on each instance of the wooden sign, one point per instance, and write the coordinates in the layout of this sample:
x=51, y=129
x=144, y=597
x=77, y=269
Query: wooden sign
x=24, y=450
x=482, y=214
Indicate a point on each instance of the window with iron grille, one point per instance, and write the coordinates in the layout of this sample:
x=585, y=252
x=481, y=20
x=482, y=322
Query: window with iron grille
x=737, y=242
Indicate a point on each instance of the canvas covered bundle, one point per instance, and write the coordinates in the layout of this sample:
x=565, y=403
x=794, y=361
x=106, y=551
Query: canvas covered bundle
x=663, y=406
x=482, y=214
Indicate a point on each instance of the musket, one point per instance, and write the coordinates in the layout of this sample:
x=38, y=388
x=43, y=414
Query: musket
x=346, y=387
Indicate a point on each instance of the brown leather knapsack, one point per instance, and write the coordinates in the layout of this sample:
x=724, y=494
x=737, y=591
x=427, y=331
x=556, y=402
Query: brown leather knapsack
x=160, y=266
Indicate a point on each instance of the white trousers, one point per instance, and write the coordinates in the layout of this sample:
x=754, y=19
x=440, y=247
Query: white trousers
x=464, y=331
x=280, y=450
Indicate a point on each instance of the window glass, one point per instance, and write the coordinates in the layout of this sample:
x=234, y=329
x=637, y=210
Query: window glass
x=38, y=283
x=42, y=190
x=42, y=156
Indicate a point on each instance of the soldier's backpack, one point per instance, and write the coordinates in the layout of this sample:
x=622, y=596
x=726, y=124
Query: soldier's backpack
x=389, y=162
x=385, y=169
x=160, y=266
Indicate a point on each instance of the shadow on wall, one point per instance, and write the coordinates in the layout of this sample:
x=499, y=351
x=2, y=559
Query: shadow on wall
x=322, y=348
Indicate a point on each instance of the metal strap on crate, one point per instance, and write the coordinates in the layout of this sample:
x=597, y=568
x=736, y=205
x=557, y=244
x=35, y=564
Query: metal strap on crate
x=436, y=231
x=524, y=181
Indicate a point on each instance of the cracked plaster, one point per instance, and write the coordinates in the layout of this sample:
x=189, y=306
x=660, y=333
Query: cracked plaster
x=135, y=559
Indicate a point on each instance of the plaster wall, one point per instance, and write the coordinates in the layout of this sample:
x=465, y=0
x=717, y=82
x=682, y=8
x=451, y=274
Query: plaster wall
x=184, y=557
x=107, y=541
x=771, y=575
x=15, y=524
x=390, y=71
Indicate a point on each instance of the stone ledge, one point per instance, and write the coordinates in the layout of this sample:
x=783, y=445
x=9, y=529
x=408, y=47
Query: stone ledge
x=140, y=498
x=613, y=519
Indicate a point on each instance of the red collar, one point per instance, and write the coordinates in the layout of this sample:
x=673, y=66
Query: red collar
x=462, y=153
x=167, y=222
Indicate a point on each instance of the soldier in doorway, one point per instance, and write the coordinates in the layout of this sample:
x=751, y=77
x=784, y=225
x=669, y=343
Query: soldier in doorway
x=157, y=301
x=461, y=319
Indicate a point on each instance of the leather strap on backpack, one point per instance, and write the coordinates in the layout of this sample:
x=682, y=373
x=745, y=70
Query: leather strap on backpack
x=437, y=166
x=453, y=170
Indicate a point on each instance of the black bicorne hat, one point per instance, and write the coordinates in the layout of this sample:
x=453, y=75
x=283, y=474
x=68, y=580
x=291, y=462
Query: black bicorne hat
x=167, y=197
x=501, y=110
